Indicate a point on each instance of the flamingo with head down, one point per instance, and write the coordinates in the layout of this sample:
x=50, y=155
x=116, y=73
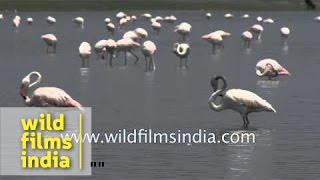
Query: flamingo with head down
x=242, y=101
x=45, y=96
x=148, y=49
x=270, y=68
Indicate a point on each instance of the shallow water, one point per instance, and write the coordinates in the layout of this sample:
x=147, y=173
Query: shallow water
x=171, y=98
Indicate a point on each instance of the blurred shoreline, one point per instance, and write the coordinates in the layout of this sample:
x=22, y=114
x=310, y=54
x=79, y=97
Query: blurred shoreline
x=100, y=5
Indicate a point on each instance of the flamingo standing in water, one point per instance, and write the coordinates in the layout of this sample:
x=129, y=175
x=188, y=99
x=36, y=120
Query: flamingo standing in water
x=100, y=48
x=127, y=45
x=29, y=20
x=45, y=96
x=182, y=50
x=79, y=21
x=183, y=29
x=148, y=49
x=51, y=20
x=270, y=68
x=285, y=32
x=170, y=19
x=208, y=16
x=216, y=39
x=257, y=29
x=142, y=33
x=242, y=101
x=110, y=47
x=85, y=52
x=247, y=37
x=156, y=26
x=16, y=21
x=111, y=27
x=51, y=41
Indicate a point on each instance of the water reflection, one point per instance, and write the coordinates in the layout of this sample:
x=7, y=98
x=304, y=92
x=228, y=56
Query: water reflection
x=268, y=83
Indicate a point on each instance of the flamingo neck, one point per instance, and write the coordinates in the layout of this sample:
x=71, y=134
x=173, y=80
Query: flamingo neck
x=212, y=104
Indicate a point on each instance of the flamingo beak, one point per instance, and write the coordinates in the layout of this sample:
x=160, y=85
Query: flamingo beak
x=284, y=71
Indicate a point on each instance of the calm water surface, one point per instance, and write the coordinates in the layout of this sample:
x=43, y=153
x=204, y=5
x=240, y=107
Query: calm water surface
x=287, y=144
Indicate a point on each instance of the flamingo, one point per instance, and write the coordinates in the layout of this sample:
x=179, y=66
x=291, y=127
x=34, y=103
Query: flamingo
x=257, y=29
x=259, y=19
x=148, y=49
x=242, y=101
x=268, y=21
x=317, y=18
x=228, y=16
x=120, y=15
x=111, y=27
x=131, y=35
x=16, y=21
x=51, y=41
x=1, y=17
x=79, y=21
x=45, y=96
x=247, y=37
x=285, y=32
x=141, y=32
x=107, y=20
x=134, y=18
x=270, y=68
x=182, y=50
x=122, y=22
x=29, y=20
x=51, y=20
x=245, y=16
x=156, y=26
x=158, y=18
x=147, y=16
x=100, y=48
x=110, y=47
x=208, y=16
x=85, y=52
x=216, y=39
x=183, y=29
x=170, y=19
x=127, y=45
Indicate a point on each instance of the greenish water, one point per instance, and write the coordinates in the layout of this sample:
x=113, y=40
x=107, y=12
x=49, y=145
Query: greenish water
x=72, y=5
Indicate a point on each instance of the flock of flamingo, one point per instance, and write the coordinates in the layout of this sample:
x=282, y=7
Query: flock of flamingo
x=242, y=101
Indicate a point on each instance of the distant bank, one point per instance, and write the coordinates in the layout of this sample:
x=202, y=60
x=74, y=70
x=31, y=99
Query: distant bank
x=76, y=5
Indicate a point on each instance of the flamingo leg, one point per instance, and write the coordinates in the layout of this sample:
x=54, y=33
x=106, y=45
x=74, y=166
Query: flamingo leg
x=125, y=58
x=146, y=61
x=110, y=59
x=137, y=58
x=153, y=67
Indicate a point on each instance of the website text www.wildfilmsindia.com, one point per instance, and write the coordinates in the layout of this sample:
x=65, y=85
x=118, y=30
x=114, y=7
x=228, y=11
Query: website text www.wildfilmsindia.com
x=149, y=136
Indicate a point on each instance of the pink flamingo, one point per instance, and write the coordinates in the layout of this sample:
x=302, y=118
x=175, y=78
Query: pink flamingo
x=127, y=45
x=16, y=21
x=85, y=52
x=216, y=39
x=111, y=27
x=156, y=26
x=183, y=29
x=270, y=68
x=257, y=29
x=45, y=96
x=242, y=101
x=141, y=32
x=247, y=37
x=148, y=49
x=51, y=41
x=51, y=20
x=100, y=48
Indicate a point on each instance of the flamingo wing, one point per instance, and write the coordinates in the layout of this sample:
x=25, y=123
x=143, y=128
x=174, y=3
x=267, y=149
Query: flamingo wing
x=250, y=100
x=52, y=96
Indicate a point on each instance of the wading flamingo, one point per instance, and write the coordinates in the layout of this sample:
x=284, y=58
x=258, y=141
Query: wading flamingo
x=79, y=21
x=285, y=32
x=100, y=48
x=182, y=50
x=127, y=45
x=208, y=16
x=111, y=27
x=45, y=96
x=270, y=68
x=16, y=21
x=51, y=41
x=85, y=52
x=257, y=29
x=183, y=29
x=247, y=37
x=29, y=20
x=51, y=20
x=242, y=101
x=156, y=26
x=148, y=49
